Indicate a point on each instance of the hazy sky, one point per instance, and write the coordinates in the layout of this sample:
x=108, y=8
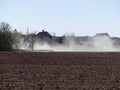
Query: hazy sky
x=81, y=17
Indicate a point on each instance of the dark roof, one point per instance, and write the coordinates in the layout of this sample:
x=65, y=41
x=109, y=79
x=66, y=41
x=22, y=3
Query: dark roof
x=102, y=34
x=44, y=34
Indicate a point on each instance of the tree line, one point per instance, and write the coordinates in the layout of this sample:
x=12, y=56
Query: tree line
x=8, y=38
x=12, y=40
x=5, y=37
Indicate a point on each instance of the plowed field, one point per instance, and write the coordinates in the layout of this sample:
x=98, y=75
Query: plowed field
x=59, y=71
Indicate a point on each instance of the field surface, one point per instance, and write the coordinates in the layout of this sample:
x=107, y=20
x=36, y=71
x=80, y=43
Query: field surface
x=59, y=71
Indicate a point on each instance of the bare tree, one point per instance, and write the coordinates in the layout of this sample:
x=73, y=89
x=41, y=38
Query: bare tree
x=30, y=40
x=5, y=37
x=4, y=27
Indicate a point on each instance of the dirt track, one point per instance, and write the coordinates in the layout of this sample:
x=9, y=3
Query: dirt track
x=59, y=71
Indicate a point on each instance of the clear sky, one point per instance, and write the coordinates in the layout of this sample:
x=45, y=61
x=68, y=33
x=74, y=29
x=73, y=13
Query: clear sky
x=81, y=17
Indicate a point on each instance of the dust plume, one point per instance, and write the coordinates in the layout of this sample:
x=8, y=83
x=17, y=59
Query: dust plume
x=71, y=43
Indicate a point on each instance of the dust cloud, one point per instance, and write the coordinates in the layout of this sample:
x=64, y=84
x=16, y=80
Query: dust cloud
x=70, y=44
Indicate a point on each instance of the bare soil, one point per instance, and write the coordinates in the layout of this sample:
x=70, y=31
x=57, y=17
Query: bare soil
x=59, y=71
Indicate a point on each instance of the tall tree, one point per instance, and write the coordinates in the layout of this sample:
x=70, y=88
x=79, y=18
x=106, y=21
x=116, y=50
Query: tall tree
x=5, y=37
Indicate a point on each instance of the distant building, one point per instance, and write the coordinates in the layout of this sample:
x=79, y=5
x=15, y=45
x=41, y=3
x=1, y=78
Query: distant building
x=45, y=36
x=102, y=34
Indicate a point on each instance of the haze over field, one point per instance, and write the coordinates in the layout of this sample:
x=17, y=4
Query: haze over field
x=101, y=42
x=44, y=41
x=84, y=18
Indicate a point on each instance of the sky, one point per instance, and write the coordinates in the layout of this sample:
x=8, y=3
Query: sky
x=78, y=17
